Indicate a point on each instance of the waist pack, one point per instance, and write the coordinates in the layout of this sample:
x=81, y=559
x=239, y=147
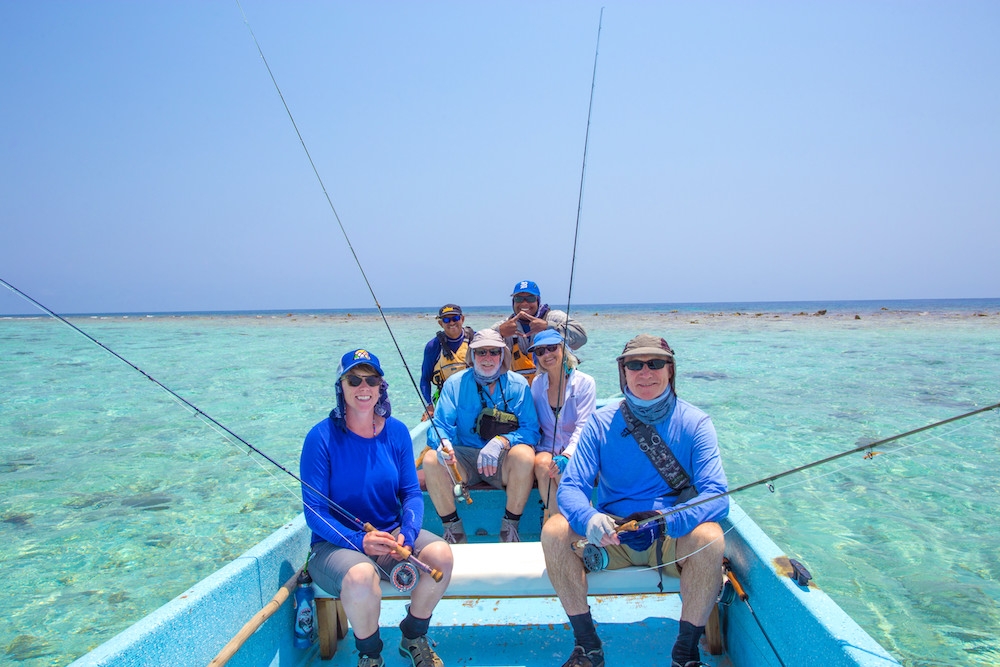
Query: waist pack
x=492, y=422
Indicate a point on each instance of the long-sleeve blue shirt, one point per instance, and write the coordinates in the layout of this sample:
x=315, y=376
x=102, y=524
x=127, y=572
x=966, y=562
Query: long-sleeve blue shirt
x=459, y=406
x=628, y=482
x=374, y=479
x=431, y=353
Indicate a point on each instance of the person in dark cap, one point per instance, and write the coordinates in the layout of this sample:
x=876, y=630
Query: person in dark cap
x=361, y=459
x=530, y=317
x=445, y=354
x=651, y=456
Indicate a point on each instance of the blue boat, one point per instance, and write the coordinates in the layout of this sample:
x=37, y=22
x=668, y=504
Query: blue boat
x=500, y=610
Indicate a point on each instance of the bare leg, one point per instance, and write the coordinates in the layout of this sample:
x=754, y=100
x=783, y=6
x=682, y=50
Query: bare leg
x=428, y=592
x=362, y=598
x=546, y=485
x=701, y=574
x=565, y=568
x=439, y=485
x=516, y=477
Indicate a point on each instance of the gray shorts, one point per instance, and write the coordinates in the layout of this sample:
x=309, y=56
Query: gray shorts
x=467, y=459
x=330, y=563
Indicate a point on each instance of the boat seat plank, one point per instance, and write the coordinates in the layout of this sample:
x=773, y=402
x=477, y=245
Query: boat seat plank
x=505, y=570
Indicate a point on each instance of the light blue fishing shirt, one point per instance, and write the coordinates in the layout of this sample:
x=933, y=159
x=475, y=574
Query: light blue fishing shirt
x=459, y=405
x=628, y=481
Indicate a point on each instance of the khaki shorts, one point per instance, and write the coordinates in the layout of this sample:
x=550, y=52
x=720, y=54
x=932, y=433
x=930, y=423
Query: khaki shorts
x=620, y=556
x=468, y=457
x=330, y=563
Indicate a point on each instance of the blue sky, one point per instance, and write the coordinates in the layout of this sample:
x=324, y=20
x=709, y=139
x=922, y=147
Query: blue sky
x=738, y=152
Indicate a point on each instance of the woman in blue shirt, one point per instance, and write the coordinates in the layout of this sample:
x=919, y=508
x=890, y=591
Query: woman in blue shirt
x=361, y=459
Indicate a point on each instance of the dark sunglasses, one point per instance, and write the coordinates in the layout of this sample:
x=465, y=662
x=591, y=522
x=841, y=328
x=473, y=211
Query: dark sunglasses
x=370, y=380
x=531, y=298
x=654, y=364
x=488, y=351
x=448, y=319
x=545, y=349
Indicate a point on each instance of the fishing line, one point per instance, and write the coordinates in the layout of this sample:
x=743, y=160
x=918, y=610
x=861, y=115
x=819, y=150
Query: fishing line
x=576, y=237
x=329, y=201
x=227, y=433
x=769, y=481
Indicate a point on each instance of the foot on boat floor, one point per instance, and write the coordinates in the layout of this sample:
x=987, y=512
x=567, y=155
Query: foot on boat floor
x=581, y=658
x=419, y=652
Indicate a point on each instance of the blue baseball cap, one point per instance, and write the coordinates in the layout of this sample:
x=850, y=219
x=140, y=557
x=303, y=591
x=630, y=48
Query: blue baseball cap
x=547, y=337
x=358, y=358
x=526, y=287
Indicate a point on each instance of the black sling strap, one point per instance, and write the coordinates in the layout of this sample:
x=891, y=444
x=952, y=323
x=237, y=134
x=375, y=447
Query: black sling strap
x=660, y=456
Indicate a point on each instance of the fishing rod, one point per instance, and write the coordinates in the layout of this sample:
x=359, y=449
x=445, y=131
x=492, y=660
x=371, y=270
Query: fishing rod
x=742, y=594
x=457, y=480
x=770, y=479
x=576, y=237
x=404, y=552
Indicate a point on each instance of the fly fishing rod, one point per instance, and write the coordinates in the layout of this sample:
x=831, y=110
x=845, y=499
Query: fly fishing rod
x=404, y=552
x=460, y=485
x=769, y=480
x=576, y=237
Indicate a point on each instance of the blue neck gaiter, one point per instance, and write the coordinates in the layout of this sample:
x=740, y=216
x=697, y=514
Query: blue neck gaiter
x=653, y=411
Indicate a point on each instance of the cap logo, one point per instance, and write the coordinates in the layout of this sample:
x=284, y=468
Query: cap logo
x=362, y=354
x=523, y=284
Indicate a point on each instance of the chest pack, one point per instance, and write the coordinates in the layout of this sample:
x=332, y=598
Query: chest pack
x=448, y=363
x=493, y=421
x=659, y=454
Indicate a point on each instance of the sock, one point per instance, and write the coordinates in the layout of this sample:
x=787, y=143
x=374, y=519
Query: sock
x=414, y=627
x=584, y=631
x=507, y=514
x=370, y=646
x=686, y=646
x=450, y=518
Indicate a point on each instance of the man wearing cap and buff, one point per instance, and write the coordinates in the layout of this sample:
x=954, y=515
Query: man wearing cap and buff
x=486, y=414
x=634, y=484
x=444, y=355
x=530, y=317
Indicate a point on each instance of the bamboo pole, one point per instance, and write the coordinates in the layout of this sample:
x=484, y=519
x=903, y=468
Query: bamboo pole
x=230, y=649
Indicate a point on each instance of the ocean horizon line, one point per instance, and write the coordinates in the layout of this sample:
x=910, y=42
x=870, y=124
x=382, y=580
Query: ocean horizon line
x=843, y=305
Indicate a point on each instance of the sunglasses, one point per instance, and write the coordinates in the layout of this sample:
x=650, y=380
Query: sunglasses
x=531, y=298
x=370, y=380
x=654, y=364
x=545, y=349
x=448, y=319
x=488, y=351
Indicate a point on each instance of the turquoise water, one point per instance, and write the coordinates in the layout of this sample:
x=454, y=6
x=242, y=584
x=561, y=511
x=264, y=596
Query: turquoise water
x=114, y=498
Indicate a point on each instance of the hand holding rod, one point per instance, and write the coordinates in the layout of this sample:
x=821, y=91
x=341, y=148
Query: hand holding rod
x=407, y=554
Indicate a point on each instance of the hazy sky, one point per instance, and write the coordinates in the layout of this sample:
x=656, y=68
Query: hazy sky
x=738, y=151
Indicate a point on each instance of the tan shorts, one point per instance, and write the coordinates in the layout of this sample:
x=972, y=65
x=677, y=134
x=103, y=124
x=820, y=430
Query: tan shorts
x=620, y=556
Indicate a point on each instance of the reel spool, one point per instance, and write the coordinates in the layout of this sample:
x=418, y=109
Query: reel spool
x=595, y=558
x=404, y=576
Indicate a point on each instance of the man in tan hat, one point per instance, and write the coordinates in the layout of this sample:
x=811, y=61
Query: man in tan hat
x=487, y=415
x=651, y=456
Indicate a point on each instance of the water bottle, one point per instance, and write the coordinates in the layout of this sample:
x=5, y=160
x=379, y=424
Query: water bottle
x=305, y=612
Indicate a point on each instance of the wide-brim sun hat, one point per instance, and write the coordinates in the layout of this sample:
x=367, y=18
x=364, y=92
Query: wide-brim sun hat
x=490, y=338
x=645, y=345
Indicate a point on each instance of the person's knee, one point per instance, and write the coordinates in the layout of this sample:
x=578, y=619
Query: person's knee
x=555, y=535
x=439, y=555
x=360, y=580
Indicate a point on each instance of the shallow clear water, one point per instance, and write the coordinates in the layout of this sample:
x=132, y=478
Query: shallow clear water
x=114, y=498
